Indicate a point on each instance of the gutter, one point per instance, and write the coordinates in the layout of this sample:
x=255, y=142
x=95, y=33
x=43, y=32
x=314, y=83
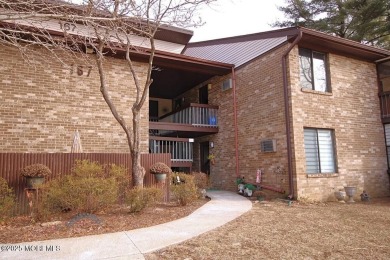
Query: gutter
x=235, y=121
x=287, y=112
x=382, y=60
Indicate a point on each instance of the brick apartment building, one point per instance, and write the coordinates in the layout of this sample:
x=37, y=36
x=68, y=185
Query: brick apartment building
x=300, y=105
x=335, y=124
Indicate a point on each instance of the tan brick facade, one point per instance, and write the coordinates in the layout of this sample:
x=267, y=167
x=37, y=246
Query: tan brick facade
x=43, y=106
x=352, y=110
x=260, y=115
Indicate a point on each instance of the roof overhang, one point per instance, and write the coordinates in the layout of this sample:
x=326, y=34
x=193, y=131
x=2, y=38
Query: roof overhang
x=173, y=74
x=176, y=74
x=174, y=34
x=328, y=43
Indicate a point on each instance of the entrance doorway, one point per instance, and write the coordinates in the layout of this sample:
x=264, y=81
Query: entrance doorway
x=204, y=160
x=204, y=95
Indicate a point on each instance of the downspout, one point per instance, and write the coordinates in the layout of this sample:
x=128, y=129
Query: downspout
x=235, y=121
x=287, y=112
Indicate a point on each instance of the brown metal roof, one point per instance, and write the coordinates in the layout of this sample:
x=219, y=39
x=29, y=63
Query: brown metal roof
x=237, y=53
x=239, y=50
x=242, y=49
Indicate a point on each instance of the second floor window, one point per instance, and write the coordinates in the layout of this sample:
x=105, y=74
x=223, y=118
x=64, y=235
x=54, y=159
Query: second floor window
x=313, y=70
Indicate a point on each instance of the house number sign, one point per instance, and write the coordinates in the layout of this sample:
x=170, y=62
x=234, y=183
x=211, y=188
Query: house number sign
x=81, y=70
x=67, y=26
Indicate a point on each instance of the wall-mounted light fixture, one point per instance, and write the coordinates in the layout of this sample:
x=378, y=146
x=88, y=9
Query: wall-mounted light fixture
x=211, y=144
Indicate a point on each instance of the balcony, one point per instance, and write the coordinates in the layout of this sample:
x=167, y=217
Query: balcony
x=385, y=106
x=193, y=120
x=181, y=149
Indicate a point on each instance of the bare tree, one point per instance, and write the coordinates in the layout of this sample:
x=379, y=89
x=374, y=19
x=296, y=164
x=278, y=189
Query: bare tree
x=103, y=26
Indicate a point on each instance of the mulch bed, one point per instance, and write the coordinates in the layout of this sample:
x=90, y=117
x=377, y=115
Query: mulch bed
x=70, y=224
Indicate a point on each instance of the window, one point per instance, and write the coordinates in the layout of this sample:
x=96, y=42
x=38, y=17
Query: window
x=313, y=70
x=227, y=84
x=319, y=150
x=387, y=134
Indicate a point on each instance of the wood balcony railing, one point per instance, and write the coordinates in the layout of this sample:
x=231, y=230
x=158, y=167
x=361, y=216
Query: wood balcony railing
x=194, y=114
x=385, y=106
x=181, y=149
x=190, y=121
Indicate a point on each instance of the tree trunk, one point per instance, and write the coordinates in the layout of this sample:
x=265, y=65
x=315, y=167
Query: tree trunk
x=138, y=172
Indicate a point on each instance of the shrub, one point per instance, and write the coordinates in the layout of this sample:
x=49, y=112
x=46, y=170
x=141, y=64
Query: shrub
x=86, y=168
x=88, y=189
x=139, y=198
x=35, y=170
x=7, y=199
x=123, y=179
x=81, y=194
x=201, y=180
x=185, y=192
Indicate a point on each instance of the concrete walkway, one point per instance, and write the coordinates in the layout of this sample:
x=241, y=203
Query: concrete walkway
x=223, y=207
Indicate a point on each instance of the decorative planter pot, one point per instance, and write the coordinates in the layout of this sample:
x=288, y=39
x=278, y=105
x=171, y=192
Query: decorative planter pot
x=340, y=196
x=350, y=191
x=241, y=188
x=160, y=177
x=248, y=192
x=33, y=182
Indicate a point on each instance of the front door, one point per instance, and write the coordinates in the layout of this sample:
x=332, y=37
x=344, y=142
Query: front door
x=204, y=160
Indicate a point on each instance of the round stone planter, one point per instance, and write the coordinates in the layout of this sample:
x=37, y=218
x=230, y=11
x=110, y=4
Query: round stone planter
x=160, y=177
x=350, y=191
x=34, y=182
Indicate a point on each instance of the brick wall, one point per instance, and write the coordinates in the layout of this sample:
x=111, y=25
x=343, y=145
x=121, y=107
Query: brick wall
x=261, y=117
x=222, y=173
x=43, y=105
x=352, y=111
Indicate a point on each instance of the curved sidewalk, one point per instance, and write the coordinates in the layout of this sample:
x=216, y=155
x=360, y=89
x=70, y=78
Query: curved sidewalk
x=223, y=207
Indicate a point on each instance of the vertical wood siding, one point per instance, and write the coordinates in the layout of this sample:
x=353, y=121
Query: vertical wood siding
x=62, y=163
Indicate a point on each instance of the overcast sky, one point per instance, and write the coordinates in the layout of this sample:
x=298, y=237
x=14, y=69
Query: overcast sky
x=237, y=17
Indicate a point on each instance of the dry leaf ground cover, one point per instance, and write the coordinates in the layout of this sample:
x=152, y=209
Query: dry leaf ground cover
x=274, y=230
x=22, y=229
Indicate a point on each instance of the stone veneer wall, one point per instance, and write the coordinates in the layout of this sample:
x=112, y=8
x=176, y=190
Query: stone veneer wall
x=43, y=105
x=352, y=110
